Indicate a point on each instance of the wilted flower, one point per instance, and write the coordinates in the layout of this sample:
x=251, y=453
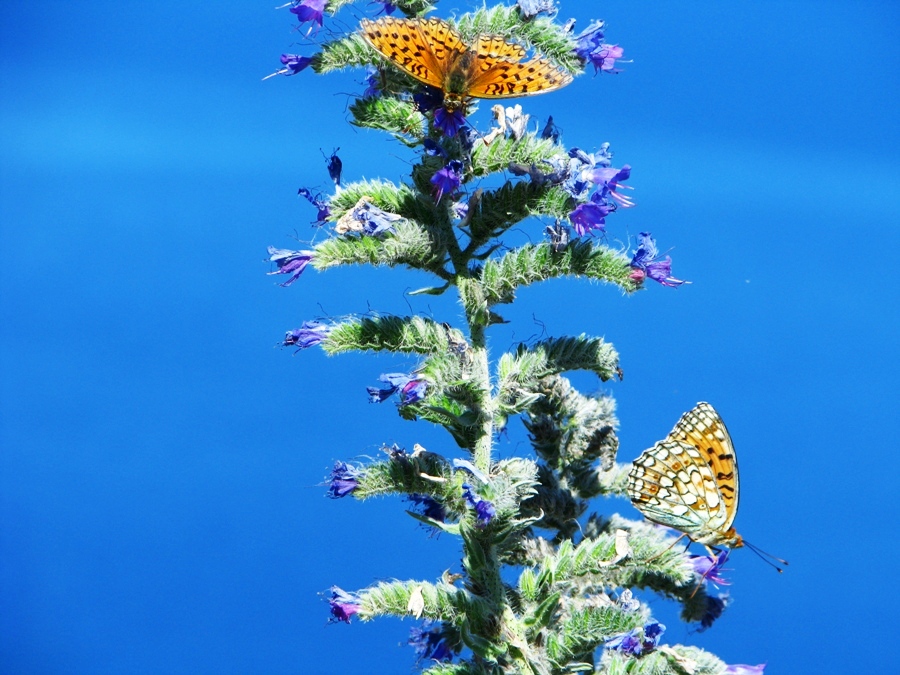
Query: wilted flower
x=343, y=604
x=647, y=263
x=460, y=209
x=344, y=480
x=289, y=262
x=447, y=180
x=484, y=510
x=428, y=641
x=293, y=64
x=334, y=165
x=308, y=335
x=516, y=121
x=324, y=208
x=530, y=8
x=411, y=389
x=550, y=131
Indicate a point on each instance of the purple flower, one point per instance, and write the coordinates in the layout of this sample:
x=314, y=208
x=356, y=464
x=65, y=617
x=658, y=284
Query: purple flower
x=590, y=216
x=308, y=335
x=324, y=208
x=428, y=641
x=411, y=389
x=309, y=11
x=344, y=480
x=293, y=64
x=289, y=262
x=713, y=610
x=334, y=165
x=609, y=178
x=449, y=122
x=484, y=510
x=530, y=8
x=343, y=604
x=447, y=180
x=647, y=263
x=740, y=669
x=590, y=48
x=637, y=641
x=708, y=568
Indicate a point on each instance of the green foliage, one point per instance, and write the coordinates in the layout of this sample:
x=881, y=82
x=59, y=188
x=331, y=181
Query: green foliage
x=576, y=568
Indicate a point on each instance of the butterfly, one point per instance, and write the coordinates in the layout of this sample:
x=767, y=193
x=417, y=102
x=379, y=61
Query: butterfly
x=433, y=52
x=689, y=480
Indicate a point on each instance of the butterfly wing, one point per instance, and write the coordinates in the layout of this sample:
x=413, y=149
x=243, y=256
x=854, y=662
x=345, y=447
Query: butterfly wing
x=672, y=485
x=704, y=429
x=420, y=48
x=497, y=75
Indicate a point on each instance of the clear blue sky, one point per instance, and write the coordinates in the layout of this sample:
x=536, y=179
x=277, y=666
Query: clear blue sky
x=159, y=460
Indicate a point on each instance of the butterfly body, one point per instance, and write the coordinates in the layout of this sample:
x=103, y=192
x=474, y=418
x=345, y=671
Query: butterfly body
x=434, y=53
x=689, y=480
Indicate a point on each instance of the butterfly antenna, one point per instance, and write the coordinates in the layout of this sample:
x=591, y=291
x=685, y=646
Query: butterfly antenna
x=768, y=558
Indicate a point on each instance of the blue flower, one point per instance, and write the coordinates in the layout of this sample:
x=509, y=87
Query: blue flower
x=590, y=48
x=740, y=669
x=343, y=604
x=373, y=82
x=484, y=510
x=432, y=148
x=449, y=122
x=324, y=208
x=289, y=262
x=713, y=610
x=590, y=216
x=428, y=507
x=411, y=389
x=447, y=180
x=428, y=99
x=344, y=480
x=386, y=7
x=429, y=643
x=638, y=640
x=647, y=263
x=708, y=568
x=608, y=179
x=308, y=335
x=309, y=11
x=368, y=219
x=293, y=64
x=530, y=8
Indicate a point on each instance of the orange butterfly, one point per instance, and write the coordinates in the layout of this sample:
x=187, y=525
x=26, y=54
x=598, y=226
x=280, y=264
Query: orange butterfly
x=689, y=481
x=433, y=52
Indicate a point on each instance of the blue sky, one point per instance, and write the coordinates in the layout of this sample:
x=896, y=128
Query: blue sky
x=160, y=463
